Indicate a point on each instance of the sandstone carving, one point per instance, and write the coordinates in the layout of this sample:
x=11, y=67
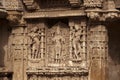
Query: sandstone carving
x=59, y=40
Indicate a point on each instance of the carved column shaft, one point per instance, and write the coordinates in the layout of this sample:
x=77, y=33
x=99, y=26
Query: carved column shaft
x=97, y=50
x=19, y=50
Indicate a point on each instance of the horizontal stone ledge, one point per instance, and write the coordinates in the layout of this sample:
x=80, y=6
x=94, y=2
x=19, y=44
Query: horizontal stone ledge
x=54, y=14
x=85, y=73
x=58, y=71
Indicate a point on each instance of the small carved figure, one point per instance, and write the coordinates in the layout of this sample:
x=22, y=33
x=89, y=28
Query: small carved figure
x=35, y=37
x=58, y=41
x=76, y=42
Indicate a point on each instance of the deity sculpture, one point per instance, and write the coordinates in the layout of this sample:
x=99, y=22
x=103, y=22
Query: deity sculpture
x=58, y=40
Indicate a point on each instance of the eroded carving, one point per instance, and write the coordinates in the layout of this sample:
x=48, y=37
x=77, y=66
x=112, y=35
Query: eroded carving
x=93, y=3
x=76, y=41
x=30, y=4
x=78, y=38
x=35, y=45
x=58, y=41
x=37, y=42
x=97, y=48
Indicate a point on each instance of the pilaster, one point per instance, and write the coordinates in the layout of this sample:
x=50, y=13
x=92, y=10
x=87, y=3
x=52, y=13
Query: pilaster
x=97, y=50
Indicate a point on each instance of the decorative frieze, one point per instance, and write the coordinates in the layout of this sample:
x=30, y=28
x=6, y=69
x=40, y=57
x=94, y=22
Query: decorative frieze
x=13, y=4
x=78, y=42
x=93, y=3
x=56, y=77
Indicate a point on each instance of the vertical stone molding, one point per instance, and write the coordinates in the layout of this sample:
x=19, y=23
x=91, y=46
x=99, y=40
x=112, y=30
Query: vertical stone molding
x=97, y=50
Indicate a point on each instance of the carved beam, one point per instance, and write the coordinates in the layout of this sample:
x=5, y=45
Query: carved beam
x=53, y=14
x=102, y=15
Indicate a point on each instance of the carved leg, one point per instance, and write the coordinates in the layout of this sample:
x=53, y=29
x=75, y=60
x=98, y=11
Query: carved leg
x=75, y=51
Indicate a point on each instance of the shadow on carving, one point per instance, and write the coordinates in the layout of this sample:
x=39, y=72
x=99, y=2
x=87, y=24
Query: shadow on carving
x=114, y=51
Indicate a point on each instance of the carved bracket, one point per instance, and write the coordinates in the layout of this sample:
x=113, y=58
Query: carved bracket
x=15, y=18
x=102, y=15
x=29, y=4
x=75, y=3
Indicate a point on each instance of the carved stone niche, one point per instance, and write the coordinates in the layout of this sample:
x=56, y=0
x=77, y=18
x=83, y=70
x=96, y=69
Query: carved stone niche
x=75, y=3
x=58, y=37
x=15, y=18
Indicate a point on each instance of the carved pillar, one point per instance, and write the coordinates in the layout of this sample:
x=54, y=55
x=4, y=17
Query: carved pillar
x=97, y=50
x=19, y=50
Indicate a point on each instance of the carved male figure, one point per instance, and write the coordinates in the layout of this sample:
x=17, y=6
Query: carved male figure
x=35, y=37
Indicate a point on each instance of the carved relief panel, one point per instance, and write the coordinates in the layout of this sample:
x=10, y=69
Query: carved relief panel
x=58, y=44
x=57, y=50
x=78, y=42
x=36, y=44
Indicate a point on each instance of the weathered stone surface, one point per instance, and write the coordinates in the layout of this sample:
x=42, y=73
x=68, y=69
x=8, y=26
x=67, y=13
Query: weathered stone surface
x=59, y=40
